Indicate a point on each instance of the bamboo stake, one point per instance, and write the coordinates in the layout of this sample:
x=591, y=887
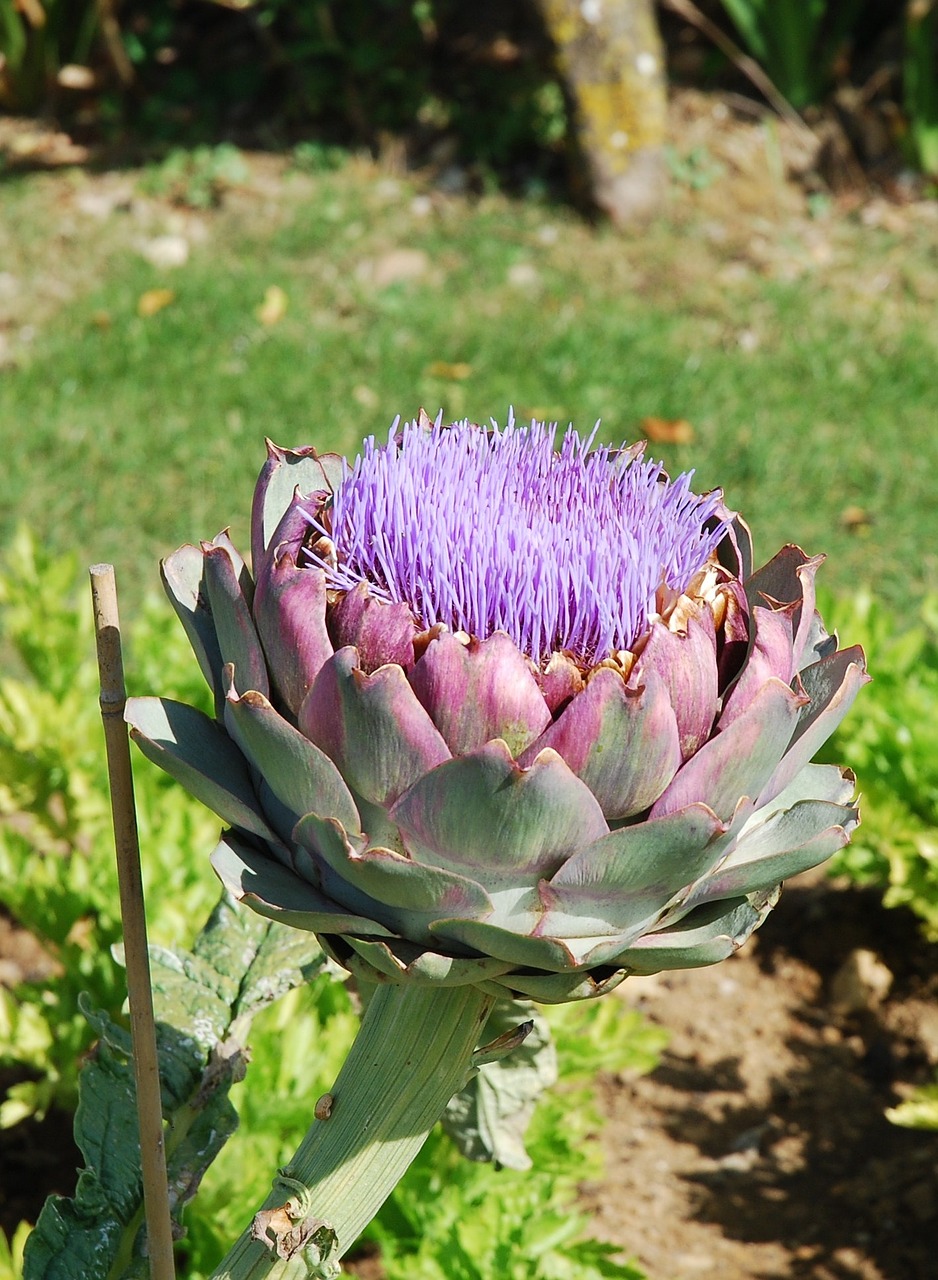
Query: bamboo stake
x=142, y=1026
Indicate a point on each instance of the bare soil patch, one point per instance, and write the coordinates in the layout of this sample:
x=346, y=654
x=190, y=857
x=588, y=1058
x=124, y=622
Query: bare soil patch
x=759, y=1149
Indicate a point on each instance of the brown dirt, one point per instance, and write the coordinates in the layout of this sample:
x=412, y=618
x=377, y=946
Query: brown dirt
x=759, y=1148
x=37, y=1158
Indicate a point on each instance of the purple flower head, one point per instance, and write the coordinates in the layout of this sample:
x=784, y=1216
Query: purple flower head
x=561, y=546
x=530, y=808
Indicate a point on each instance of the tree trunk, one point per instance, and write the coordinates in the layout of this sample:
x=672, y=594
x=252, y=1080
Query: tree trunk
x=612, y=60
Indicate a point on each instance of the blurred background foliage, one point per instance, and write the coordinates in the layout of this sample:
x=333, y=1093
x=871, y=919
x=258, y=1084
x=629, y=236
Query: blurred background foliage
x=473, y=79
x=474, y=76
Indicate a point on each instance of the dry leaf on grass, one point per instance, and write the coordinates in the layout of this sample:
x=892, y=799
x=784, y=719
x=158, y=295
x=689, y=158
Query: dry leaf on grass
x=668, y=430
x=166, y=251
x=396, y=266
x=366, y=396
x=451, y=372
x=855, y=519
x=154, y=300
x=274, y=306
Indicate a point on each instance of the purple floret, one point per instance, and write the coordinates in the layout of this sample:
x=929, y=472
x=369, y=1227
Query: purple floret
x=503, y=529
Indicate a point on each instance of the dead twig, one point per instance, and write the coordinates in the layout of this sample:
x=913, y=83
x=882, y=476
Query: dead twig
x=687, y=10
x=111, y=34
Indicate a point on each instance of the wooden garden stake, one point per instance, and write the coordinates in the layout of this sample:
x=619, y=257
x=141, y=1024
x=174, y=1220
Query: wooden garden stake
x=143, y=1029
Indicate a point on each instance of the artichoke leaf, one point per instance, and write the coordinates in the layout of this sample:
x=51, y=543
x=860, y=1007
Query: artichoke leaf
x=830, y=687
x=479, y=691
x=181, y=575
x=197, y=752
x=738, y=760
x=559, y=988
x=828, y=684
x=300, y=776
x=290, y=611
x=769, y=655
x=686, y=661
x=735, y=551
x=285, y=472
x=483, y=815
x=814, y=782
x=396, y=960
x=621, y=883
x=529, y=951
x=372, y=726
x=708, y=934
x=238, y=641
x=380, y=631
x=788, y=842
x=405, y=894
x=251, y=876
x=621, y=740
x=788, y=579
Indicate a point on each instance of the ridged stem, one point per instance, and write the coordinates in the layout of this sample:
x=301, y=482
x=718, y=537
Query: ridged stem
x=410, y=1056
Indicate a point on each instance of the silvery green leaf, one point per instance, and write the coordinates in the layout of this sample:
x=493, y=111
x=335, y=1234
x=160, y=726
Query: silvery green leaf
x=204, y=1001
x=260, y=961
x=80, y=1237
x=487, y=1120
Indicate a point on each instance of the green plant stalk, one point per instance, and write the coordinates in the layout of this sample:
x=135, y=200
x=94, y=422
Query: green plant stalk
x=411, y=1055
x=795, y=41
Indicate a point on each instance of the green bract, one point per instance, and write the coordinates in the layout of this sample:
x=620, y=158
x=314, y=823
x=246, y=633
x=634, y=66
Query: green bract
x=443, y=808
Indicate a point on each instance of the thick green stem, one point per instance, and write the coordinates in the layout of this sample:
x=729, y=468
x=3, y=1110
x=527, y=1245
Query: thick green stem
x=409, y=1058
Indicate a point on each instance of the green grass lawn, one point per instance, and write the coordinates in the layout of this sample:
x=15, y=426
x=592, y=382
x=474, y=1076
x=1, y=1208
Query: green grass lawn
x=807, y=373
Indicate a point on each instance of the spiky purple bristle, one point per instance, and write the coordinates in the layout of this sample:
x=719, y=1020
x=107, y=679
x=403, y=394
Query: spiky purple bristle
x=494, y=529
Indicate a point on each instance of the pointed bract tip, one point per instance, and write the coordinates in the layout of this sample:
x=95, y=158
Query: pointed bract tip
x=228, y=684
x=280, y=453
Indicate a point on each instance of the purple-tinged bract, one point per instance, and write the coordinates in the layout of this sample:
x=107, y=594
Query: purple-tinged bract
x=500, y=708
x=560, y=547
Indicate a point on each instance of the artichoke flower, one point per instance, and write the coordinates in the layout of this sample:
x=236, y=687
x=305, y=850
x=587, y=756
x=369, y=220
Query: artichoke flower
x=504, y=709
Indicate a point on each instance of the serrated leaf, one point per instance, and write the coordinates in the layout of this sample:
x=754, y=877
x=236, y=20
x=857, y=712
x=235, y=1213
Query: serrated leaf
x=189, y=993
x=80, y=1237
x=64, y=1246
x=487, y=1120
x=203, y=1001
x=213, y=1125
x=264, y=958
